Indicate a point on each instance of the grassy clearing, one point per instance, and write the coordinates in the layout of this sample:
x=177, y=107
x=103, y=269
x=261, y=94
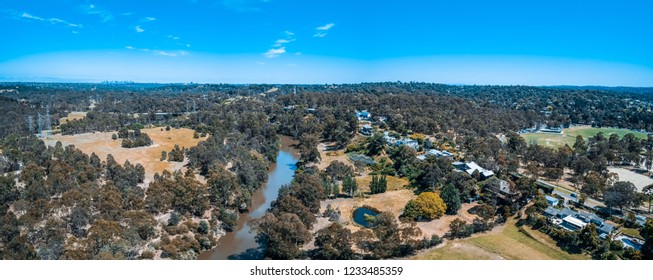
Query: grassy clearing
x=506, y=243
x=72, y=116
x=569, y=135
x=150, y=157
x=457, y=250
x=394, y=183
x=631, y=232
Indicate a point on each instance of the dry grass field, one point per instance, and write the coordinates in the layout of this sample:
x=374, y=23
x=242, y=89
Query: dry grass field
x=150, y=157
x=504, y=242
x=72, y=116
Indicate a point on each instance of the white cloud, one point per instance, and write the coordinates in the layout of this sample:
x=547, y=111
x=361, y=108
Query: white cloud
x=281, y=42
x=139, y=29
x=29, y=16
x=173, y=37
x=129, y=47
x=325, y=27
x=61, y=21
x=272, y=53
x=188, y=45
x=50, y=20
x=322, y=30
x=150, y=19
x=289, y=33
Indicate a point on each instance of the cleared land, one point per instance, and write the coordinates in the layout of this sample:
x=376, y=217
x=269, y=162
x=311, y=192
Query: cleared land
x=568, y=135
x=72, y=116
x=640, y=181
x=504, y=242
x=150, y=157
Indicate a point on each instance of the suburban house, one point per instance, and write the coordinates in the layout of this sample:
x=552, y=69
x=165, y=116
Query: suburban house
x=435, y=153
x=288, y=108
x=389, y=139
x=367, y=130
x=363, y=115
x=438, y=153
x=470, y=167
x=407, y=142
x=502, y=189
x=572, y=223
x=572, y=220
x=311, y=110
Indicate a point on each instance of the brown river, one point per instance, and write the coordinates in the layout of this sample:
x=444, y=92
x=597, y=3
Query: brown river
x=241, y=243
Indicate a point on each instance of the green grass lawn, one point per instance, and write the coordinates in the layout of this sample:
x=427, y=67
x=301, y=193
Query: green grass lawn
x=631, y=231
x=509, y=243
x=513, y=244
x=569, y=135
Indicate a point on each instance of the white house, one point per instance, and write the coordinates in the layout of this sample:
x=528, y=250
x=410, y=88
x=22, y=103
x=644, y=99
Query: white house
x=470, y=167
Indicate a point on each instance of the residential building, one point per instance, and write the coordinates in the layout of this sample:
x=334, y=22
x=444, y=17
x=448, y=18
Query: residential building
x=364, y=115
x=572, y=223
x=470, y=167
x=407, y=142
x=438, y=153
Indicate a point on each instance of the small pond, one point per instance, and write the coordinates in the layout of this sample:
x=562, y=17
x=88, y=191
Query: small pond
x=360, y=214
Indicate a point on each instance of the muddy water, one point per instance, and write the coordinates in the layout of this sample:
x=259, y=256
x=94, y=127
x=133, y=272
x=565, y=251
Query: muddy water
x=241, y=243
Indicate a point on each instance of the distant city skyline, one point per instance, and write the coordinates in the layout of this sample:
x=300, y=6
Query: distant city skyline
x=604, y=43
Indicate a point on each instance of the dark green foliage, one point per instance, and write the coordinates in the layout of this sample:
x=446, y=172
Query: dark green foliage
x=174, y=219
x=176, y=154
x=290, y=204
x=282, y=237
x=647, y=233
x=459, y=229
x=620, y=195
x=451, y=197
x=8, y=192
x=375, y=144
x=334, y=243
x=387, y=238
x=339, y=170
x=378, y=184
x=203, y=228
x=228, y=218
x=349, y=186
x=308, y=148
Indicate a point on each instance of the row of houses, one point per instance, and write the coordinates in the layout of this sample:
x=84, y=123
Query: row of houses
x=572, y=220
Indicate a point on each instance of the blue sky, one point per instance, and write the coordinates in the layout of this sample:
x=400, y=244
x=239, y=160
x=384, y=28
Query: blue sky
x=286, y=41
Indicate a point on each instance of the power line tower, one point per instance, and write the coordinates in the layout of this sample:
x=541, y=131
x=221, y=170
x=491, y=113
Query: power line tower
x=48, y=122
x=30, y=124
x=40, y=123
